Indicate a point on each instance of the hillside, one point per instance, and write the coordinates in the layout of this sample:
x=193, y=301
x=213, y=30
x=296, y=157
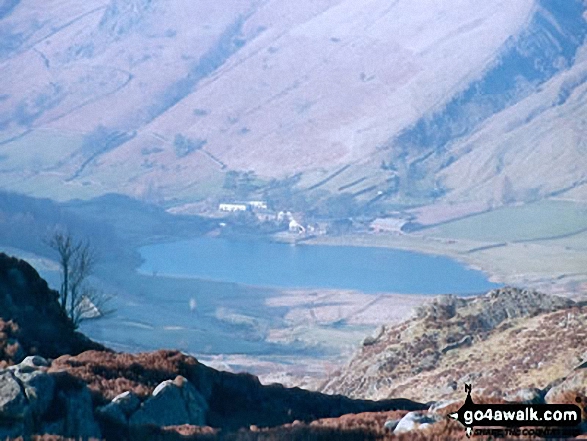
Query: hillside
x=31, y=321
x=160, y=100
x=501, y=342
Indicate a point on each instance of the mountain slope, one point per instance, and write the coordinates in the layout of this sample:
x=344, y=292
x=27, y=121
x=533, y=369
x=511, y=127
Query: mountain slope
x=30, y=317
x=402, y=101
x=501, y=342
x=258, y=85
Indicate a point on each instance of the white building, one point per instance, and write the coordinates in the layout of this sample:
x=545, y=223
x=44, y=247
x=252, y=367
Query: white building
x=295, y=227
x=259, y=205
x=388, y=225
x=284, y=215
x=231, y=208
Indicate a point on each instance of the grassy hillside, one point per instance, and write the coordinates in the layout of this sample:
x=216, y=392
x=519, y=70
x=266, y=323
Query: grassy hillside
x=248, y=85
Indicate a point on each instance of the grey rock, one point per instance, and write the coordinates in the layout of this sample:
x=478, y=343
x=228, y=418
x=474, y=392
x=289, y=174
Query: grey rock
x=79, y=414
x=34, y=361
x=112, y=413
x=120, y=408
x=164, y=408
x=576, y=383
x=39, y=388
x=465, y=341
x=369, y=341
x=128, y=402
x=414, y=420
x=13, y=401
x=444, y=306
x=162, y=387
x=172, y=403
x=526, y=396
x=439, y=406
x=390, y=425
x=196, y=405
x=372, y=339
x=428, y=362
x=448, y=388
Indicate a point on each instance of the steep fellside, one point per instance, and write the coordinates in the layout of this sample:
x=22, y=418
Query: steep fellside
x=99, y=92
x=31, y=321
x=503, y=341
x=514, y=133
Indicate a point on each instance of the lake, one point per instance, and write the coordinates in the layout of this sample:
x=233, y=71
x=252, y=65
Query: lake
x=262, y=263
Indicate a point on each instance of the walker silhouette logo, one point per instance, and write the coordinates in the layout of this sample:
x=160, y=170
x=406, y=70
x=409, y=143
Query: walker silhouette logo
x=557, y=419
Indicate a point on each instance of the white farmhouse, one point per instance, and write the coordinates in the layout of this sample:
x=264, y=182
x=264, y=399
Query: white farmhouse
x=295, y=227
x=284, y=215
x=259, y=205
x=231, y=208
x=388, y=225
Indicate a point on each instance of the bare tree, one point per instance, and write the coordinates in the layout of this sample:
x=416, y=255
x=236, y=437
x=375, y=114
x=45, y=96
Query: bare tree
x=77, y=298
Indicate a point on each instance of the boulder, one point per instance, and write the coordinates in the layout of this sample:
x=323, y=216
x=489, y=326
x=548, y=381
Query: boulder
x=390, y=425
x=13, y=401
x=164, y=408
x=196, y=404
x=112, y=413
x=566, y=391
x=372, y=339
x=34, y=361
x=439, y=407
x=79, y=419
x=120, y=408
x=530, y=395
x=415, y=420
x=39, y=388
x=128, y=402
x=465, y=341
x=173, y=403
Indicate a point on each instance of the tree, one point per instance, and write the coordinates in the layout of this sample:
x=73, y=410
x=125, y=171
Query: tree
x=77, y=298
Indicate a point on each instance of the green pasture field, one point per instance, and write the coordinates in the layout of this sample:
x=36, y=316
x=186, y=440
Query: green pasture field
x=541, y=220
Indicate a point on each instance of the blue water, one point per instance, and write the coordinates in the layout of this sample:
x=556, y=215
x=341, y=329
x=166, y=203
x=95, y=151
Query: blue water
x=261, y=263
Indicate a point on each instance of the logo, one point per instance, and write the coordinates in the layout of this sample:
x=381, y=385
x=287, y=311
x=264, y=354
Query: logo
x=556, y=419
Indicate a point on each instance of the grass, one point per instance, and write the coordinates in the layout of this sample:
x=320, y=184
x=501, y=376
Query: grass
x=540, y=220
x=576, y=242
x=40, y=149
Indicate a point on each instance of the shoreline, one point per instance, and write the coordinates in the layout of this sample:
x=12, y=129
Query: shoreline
x=526, y=265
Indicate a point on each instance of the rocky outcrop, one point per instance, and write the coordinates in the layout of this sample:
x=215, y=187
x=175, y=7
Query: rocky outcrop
x=32, y=401
x=173, y=403
x=415, y=421
x=571, y=387
x=488, y=311
x=452, y=340
x=38, y=397
x=31, y=320
x=224, y=400
x=13, y=402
